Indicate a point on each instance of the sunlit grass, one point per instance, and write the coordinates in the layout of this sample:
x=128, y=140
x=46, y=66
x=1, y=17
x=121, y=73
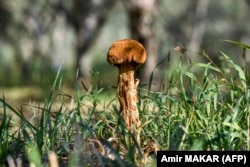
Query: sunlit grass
x=193, y=112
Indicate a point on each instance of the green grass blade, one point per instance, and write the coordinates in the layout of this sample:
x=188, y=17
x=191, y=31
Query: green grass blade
x=240, y=71
x=237, y=43
x=157, y=65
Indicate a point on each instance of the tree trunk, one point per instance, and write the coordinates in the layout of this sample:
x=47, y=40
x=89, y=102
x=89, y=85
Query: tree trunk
x=248, y=2
x=141, y=16
x=87, y=18
x=199, y=25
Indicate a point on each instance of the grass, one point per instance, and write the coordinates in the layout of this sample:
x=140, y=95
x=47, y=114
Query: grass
x=206, y=111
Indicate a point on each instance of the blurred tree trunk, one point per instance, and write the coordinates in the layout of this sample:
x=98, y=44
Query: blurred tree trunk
x=87, y=18
x=248, y=2
x=10, y=36
x=199, y=25
x=141, y=16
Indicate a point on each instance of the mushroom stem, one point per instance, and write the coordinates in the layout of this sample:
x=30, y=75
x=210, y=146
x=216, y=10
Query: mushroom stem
x=128, y=95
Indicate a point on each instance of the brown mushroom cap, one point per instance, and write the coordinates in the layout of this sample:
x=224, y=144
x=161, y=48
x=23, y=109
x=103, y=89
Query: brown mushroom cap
x=126, y=51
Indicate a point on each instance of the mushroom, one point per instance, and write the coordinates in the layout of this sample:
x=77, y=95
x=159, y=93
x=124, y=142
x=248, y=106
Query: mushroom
x=127, y=54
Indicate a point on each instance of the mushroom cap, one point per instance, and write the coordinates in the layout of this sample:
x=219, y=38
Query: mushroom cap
x=126, y=51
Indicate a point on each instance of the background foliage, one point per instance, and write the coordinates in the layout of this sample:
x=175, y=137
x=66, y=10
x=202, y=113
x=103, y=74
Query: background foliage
x=39, y=36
